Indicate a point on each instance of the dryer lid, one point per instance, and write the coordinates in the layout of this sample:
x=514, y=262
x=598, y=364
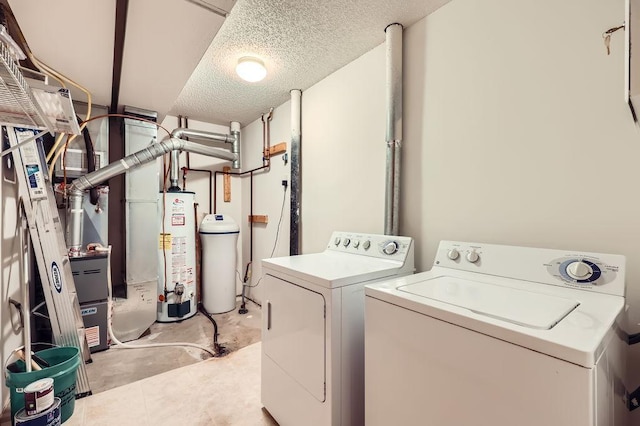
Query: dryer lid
x=522, y=307
x=333, y=269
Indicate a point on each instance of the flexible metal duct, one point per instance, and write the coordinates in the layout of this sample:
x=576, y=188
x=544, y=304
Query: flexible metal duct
x=78, y=187
x=394, y=128
x=233, y=139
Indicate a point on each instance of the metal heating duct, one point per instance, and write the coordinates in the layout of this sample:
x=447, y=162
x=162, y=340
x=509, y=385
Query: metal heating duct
x=296, y=183
x=233, y=139
x=394, y=128
x=79, y=186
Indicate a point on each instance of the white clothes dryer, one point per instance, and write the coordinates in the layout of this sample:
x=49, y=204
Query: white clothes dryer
x=498, y=336
x=313, y=327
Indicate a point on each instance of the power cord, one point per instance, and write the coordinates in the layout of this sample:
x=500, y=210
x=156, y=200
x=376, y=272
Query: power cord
x=284, y=198
x=243, y=305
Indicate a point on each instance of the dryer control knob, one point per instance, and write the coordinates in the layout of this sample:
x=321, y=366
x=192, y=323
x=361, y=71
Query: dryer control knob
x=356, y=243
x=346, y=242
x=337, y=241
x=453, y=254
x=366, y=245
x=472, y=256
x=390, y=247
x=579, y=270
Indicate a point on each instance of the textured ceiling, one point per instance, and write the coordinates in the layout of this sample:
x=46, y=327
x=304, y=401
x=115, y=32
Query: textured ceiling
x=300, y=42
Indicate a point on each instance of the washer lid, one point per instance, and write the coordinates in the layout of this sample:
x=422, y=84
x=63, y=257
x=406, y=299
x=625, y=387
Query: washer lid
x=514, y=305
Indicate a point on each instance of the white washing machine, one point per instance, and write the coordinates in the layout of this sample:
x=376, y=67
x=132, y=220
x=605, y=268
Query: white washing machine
x=313, y=327
x=498, y=336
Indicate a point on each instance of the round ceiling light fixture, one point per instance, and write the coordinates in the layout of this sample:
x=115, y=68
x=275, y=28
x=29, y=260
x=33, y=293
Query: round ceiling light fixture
x=251, y=69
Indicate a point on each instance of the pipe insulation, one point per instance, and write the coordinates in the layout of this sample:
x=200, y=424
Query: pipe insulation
x=394, y=128
x=75, y=192
x=233, y=138
x=296, y=183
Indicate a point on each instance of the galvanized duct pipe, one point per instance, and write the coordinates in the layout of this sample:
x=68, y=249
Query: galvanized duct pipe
x=296, y=183
x=233, y=139
x=174, y=171
x=394, y=128
x=77, y=188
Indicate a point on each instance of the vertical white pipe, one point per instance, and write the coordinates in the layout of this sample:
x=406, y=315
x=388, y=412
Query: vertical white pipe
x=394, y=127
x=296, y=184
x=26, y=302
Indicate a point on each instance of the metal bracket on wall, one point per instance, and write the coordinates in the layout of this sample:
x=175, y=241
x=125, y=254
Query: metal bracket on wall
x=632, y=339
x=633, y=399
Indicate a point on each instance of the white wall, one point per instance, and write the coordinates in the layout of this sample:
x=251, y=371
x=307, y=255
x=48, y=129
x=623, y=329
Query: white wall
x=515, y=132
x=343, y=152
x=10, y=334
x=269, y=196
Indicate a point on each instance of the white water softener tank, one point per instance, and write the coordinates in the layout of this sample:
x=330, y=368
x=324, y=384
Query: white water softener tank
x=177, y=299
x=219, y=235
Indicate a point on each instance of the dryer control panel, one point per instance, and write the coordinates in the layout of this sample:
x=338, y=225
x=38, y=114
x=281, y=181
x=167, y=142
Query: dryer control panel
x=602, y=273
x=373, y=245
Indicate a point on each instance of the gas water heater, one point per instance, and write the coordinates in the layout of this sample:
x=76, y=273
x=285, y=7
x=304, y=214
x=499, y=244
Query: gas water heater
x=177, y=299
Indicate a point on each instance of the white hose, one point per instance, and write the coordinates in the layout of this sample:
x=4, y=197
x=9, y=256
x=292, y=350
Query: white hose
x=119, y=344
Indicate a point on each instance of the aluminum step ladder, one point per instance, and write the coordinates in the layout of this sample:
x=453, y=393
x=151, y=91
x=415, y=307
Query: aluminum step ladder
x=49, y=245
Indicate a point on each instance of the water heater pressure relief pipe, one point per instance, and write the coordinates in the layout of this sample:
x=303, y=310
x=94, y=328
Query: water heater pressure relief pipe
x=75, y=192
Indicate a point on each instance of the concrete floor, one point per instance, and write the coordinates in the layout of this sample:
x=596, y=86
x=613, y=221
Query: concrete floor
x=119, y=376
x=216, y=392
x=116, y=367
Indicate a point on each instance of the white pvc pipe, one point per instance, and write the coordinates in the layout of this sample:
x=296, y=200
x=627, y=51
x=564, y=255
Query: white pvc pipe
x=26, y=302
x=114, y=339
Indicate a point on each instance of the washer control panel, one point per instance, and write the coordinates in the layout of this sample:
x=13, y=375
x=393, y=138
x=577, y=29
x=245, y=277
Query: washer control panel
x=603, y=273
x=373, y=245
x=582, y=270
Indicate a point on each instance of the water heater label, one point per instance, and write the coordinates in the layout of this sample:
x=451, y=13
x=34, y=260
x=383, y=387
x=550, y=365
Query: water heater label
x=164, y=242
x=178, y=220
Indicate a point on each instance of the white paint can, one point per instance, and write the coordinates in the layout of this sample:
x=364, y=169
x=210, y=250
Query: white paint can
x=38, y=396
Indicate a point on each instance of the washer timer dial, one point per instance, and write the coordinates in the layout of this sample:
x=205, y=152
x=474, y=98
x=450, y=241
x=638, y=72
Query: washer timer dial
x=580, y=270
